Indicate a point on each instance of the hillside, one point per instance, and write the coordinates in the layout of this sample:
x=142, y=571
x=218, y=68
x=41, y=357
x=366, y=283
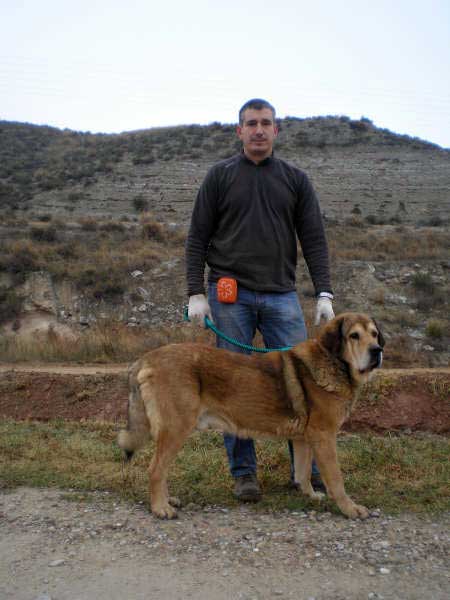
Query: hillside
x=356, y=168
x=92, y=234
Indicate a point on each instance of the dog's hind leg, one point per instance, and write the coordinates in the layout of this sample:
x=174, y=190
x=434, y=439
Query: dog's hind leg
x=168, y=444
x=302, y=468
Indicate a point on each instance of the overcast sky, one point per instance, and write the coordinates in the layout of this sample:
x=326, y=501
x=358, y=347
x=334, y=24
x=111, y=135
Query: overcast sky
x=112, y=66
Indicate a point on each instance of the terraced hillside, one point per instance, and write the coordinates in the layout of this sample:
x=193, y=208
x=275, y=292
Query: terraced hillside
x=357, y=169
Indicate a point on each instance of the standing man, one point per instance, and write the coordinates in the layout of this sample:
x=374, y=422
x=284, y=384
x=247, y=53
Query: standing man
x=249, y=212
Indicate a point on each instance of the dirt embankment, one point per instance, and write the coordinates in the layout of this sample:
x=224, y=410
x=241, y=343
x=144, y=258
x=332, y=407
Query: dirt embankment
x=396, y=399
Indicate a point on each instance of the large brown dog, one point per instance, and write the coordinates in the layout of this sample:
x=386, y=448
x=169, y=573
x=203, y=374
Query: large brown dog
x=303, y=394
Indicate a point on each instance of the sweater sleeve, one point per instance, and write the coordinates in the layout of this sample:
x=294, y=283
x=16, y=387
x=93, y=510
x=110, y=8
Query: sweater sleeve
x=311, y=234
x=203, y=223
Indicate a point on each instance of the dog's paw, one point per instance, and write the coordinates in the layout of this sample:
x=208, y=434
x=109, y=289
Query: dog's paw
x=318, y=496
x=356, y=511
x=174, y=501
x=164, y=512
x=363, y=513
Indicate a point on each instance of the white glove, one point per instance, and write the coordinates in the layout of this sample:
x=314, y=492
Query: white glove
x=324, y=309
x=198, y=309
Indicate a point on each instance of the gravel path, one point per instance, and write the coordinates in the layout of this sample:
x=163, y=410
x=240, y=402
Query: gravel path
x=55, y=545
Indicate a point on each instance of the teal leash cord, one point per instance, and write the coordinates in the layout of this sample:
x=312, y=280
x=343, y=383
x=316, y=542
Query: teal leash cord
x=210, y=325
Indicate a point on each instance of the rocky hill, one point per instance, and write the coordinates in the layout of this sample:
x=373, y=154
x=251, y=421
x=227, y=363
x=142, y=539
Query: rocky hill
x=92, y=231
x=356, y=168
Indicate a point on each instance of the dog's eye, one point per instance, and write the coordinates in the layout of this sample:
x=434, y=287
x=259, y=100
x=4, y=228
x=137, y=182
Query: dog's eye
x=374, y=334
x=354, y=335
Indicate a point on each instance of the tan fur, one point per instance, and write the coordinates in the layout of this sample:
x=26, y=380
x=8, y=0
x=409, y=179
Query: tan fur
x=303, y=394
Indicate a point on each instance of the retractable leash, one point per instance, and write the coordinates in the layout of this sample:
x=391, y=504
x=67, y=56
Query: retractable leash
x=210, y=325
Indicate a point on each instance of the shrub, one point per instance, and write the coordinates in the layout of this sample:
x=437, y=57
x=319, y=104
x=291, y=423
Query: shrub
x=41, y=233
x=378, y=296
x=74, y=196
x=108, y=286
x=435, y=329
x=113, y=226
x=69, y=250
x=10, y=305
x=88, y=224
x=360, y=126
x=355, y=221
x=20, y=258
x=152, y=230
x=423, y=282
x=434, y=298
x=140, y=204
x=435, y=221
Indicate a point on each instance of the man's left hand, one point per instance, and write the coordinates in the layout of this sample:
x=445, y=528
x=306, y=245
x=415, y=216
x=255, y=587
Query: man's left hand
x=324, y=309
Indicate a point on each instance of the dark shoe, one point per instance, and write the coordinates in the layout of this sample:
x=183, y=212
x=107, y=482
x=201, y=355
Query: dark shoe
x=317, y=483
x=246, y=488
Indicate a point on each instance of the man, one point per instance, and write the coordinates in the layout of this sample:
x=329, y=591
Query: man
x=249, y=212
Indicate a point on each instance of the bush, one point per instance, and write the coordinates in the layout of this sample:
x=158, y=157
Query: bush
x=140, y=204
x=10, y=305
x=46, y=233
x=20, y=258
x=113, y=226
x=423, y=282
x=152, y=230
x=435, y=329
x=88, y=224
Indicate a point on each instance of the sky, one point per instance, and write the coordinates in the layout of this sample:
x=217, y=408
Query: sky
x=111, y=66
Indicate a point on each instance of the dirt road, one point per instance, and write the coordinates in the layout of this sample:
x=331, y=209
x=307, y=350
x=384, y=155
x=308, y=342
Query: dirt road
x=66, y=546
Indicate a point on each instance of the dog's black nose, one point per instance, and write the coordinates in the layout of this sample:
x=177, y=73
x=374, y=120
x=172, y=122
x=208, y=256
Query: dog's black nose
x=376, y=354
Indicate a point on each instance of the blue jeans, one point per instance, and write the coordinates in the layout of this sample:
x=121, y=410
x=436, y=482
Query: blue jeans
x=279, y=319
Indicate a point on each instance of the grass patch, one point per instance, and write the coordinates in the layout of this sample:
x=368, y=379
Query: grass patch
x=401, y=473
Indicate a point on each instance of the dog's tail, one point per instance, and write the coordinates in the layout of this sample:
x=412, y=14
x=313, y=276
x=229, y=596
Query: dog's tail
x=138, y=430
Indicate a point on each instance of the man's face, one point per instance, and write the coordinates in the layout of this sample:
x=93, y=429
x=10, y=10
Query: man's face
x=257, y=133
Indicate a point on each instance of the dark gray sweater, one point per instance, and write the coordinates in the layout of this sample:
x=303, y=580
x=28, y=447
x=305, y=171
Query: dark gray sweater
x=245, y=222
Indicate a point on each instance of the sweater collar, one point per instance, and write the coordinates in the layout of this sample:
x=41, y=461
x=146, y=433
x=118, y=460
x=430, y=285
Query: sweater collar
x=267, y=161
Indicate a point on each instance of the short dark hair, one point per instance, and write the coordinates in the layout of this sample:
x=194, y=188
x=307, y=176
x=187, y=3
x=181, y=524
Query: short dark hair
x=256, y=104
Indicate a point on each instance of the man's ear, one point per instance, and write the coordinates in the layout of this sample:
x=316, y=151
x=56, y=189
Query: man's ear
x=331, y=336
x=381, y=340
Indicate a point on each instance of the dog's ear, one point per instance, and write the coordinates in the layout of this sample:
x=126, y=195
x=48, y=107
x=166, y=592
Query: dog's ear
x=381, y=340
x=331, y=336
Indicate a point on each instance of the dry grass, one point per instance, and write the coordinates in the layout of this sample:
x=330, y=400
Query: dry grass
x=102, y=343
x=384, y=243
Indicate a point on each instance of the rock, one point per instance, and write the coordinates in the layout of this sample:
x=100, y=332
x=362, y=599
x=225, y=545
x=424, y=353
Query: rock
x=57, y=563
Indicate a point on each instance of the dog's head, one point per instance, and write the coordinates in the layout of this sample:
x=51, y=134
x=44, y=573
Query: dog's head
x=356, y=340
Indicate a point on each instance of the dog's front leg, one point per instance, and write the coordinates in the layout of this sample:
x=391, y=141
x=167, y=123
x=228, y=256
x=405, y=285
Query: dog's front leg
x=303, y=456
x=325, y=454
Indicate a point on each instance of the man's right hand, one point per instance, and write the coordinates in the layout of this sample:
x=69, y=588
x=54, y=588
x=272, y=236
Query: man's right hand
x=198, y=309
